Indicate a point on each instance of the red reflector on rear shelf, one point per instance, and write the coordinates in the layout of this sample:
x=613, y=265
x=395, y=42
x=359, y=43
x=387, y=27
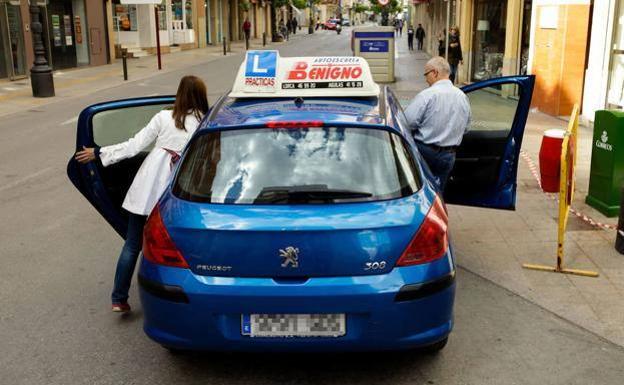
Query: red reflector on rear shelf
x=431, y=240
x=158, y=247
x=294, y=123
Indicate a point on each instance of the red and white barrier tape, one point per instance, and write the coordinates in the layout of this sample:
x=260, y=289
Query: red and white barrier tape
x=581, y=216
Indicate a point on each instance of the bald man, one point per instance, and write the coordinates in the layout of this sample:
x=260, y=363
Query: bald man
x=439, y=116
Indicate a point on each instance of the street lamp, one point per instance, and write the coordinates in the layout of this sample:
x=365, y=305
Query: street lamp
x=41, y=79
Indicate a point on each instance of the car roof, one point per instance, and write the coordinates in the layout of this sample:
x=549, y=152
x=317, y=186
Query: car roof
x=354, y=111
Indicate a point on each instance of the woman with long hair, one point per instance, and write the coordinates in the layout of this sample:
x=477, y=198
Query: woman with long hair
x=169, y=130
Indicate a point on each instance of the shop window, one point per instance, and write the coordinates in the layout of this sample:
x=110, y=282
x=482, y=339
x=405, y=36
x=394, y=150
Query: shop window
x=182, y=11
x=615, y=94
x=489, y=39
x=124, y=17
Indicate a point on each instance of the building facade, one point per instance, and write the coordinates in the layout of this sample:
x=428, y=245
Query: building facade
x=74, y=34
x=604, y=77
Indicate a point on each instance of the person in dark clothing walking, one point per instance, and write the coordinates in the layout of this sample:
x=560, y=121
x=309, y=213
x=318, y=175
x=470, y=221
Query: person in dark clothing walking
x=420, y=36
x=247, y=30
x=294, y=24
x=455, y=53
x=410, y=38
x=442, y=43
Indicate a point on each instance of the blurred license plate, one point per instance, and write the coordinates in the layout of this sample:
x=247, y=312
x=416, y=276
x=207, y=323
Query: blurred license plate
x=293, y=325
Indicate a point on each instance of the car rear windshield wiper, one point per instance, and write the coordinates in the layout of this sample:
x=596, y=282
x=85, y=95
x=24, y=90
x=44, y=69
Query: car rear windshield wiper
x=306, y=194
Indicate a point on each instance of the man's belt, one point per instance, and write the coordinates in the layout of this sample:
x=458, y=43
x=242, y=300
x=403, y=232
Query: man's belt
x=437, y=148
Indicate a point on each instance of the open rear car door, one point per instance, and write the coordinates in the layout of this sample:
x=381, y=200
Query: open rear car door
x=105, y=124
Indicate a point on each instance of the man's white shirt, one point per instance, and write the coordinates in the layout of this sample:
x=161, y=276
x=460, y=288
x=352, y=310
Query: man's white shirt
x=439, y=115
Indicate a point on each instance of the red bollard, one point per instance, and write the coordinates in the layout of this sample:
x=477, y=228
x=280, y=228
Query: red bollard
x=550, y=159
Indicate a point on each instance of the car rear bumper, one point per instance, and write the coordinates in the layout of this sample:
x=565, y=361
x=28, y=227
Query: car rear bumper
x=398, y=310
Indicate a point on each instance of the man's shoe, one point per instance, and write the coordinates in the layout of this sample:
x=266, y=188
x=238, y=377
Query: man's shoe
x=121, y=307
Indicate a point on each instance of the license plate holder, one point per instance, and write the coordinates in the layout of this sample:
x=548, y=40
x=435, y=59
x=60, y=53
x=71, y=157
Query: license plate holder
x=293, y=325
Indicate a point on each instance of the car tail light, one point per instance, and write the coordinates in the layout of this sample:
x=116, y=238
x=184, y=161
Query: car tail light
x=294, y=123
x=157, y=244
x=431, y=240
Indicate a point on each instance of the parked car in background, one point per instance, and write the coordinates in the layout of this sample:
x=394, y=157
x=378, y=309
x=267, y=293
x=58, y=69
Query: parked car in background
x=346, y=21
x=331, y=24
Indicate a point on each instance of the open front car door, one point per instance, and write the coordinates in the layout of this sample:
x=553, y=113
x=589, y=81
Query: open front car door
x=486, y=165
x=102, y=125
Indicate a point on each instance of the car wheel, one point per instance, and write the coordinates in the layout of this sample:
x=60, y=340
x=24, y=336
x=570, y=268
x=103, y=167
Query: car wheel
x=435, y=347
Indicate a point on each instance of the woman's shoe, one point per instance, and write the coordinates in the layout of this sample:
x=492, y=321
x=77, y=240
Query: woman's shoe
x=121, y=307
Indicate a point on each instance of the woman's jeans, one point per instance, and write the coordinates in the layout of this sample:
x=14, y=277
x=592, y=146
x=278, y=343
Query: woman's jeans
x=453, y=73
x=128, y=257
x=440, y=163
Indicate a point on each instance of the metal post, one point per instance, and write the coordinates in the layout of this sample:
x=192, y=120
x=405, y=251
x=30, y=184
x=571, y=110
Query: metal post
x=224, y=47
x=41, y=79
x=263, y=39
x=448, y=26
x=310, y=26
x=124, y=61
x=158, y=37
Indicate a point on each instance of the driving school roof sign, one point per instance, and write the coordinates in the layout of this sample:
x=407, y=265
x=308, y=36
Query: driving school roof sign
x=266, y=74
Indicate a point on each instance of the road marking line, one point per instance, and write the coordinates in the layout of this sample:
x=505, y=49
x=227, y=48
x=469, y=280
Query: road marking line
x=26, y=179
x=70, y=121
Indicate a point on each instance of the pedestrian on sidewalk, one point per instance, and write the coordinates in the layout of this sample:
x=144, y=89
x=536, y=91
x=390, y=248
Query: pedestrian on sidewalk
x=401, y=27
x=410, y=38
x=247, y=31
x=294, y=25
x=438, y=118
x=169, y=130
x=420, y=36
x=442, y=43
x=454, y=53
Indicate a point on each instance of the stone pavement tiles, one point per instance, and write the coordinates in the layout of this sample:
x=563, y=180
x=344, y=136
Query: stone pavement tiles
x=494, y=244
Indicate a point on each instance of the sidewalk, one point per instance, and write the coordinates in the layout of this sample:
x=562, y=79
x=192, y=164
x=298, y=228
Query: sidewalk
x=17, y=95
x=495, y=243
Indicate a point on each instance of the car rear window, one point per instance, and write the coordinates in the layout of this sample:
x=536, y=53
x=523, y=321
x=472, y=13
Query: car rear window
x=313, y=165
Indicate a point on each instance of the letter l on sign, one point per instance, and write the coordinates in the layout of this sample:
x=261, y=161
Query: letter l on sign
x=256, y=67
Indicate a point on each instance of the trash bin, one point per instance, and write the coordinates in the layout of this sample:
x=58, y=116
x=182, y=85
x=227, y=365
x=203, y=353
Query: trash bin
x=550, y=159
x=607, y=163
x=376, y=45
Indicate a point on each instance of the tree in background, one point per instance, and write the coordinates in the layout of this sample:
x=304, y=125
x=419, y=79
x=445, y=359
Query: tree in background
x=392, y=8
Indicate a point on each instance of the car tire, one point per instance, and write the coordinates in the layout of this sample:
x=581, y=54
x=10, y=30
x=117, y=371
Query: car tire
x=435, y=347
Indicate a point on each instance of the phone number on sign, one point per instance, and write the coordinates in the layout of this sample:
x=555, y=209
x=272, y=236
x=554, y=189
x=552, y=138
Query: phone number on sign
x=308, y=85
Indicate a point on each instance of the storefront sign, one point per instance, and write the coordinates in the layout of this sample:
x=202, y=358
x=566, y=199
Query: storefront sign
x=68, y=31
x=373, y=45
x=56, y=30
x=78, y=29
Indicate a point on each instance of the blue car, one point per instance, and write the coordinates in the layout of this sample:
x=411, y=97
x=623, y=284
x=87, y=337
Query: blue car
x=304, y=223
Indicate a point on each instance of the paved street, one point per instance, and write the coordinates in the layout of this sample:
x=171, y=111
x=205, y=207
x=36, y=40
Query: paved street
x=58, y=258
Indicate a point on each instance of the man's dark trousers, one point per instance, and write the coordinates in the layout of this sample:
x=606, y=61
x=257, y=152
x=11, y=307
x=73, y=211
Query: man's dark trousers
x=420, y=42
x=440, y=162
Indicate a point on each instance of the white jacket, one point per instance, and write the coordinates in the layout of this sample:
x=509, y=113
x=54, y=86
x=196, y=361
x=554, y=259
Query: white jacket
x=153, y=175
